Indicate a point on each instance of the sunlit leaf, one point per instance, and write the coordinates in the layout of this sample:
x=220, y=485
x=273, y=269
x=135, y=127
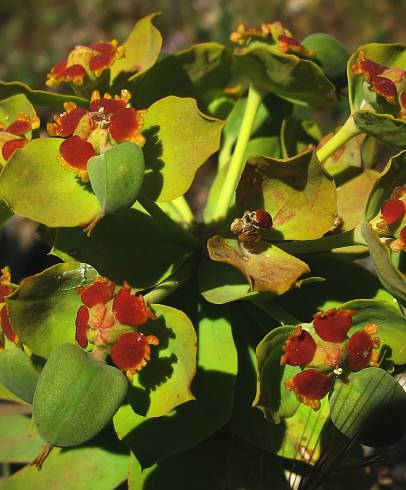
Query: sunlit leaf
x=297, y=192
x=58, y=198
x=43, y=309
x=179, y=140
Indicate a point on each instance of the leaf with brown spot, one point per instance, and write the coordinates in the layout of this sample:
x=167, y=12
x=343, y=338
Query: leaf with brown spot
x=297, y=192
x=266, y=267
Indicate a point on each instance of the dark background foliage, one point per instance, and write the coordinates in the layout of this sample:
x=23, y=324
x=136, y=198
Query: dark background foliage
x=36, y=34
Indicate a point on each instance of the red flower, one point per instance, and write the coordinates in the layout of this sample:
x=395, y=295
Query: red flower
x=6, y=327
x=333, y=325
x=5, y=290
x=22, y=125
x=327, y=351
x=132, y=351
x=310, y=386
x=299, y=349
x=360, y=348
x=392, y=211
x=382, y=80
x=290, y=44
x=89, y=133
x=85, y=61
x=110, y=320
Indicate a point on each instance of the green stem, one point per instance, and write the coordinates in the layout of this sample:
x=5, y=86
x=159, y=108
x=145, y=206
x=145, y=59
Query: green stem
x=276, y=312
x=344, y=134
x=236, y=166
x=170, y=285
x=183, y=236
x=183, y=208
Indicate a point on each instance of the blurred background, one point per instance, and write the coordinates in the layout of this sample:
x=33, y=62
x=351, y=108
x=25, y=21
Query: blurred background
x=36, y=34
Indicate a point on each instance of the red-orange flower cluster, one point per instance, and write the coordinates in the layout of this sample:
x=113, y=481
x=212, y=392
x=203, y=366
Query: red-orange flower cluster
x=326, y=352
x=383, y=80
x=6, y=289
x=110, y=320
x=13, y=135
x=90, y=132
x=85, y=61
x=274, y=32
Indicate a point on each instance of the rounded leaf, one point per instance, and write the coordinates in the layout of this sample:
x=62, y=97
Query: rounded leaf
x=76, y=396
x=43, y=309
x=116, y=176
x=58, y=198
x=179, y=140
x=286, y=75
x=370, y=407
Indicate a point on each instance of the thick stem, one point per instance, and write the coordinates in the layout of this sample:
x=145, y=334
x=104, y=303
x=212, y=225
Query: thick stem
x=183, y=236
x=237, y=162
x=170, y=285
x=276, y=312
x=344, y=134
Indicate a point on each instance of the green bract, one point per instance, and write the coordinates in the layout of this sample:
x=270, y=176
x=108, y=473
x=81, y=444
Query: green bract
x=76, y=396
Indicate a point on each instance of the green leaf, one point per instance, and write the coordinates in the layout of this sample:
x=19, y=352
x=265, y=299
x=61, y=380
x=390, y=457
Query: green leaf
x=370, y=406
x=221, y=283
x=391, y=325
x=116, y=176
x=393, y=175
x=153, y=439
x=6, y=394
x=272, y=397
x=352, y=198
x=84, y=468
x=142, y=48
x=331, y=54
x=345, y=280
x=18, y=374
x=10, y=109
x=13, y=107
x=297, y=192
x=43, y=309
x=391, y=278
x=285, y=75
x=165, y=381
x=58, y=198
x=5, y=213
x=40, y=97
x=194, y=72
x=76, y=396
x=371, y=113
x=266, y=267
x=294, y=138
x=19, y=441
x=174, y=150
x=129, y=246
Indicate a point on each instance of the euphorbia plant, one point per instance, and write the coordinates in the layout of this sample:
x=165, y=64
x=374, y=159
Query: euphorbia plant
x=144, y=347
